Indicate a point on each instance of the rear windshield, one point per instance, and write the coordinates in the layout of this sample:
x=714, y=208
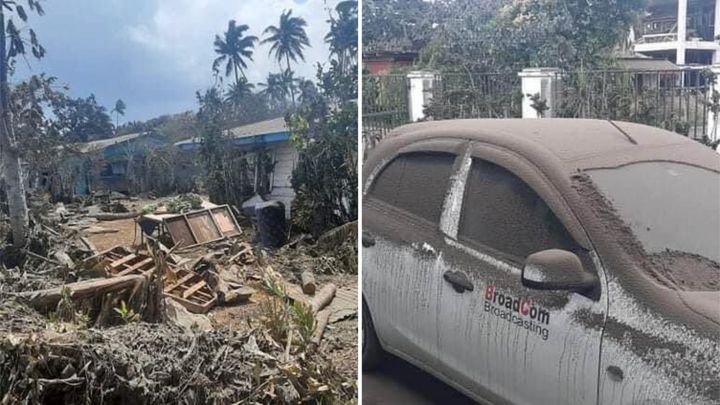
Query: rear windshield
x=673, y=210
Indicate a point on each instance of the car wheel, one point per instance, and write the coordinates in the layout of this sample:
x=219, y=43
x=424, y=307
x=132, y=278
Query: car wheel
x=371, y=350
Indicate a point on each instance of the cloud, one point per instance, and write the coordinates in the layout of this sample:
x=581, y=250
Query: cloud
x=181, y=32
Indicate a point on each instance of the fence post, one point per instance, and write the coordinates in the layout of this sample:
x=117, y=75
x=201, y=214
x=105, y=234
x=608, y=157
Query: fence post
x=712, y=125
x=420, y=86
x=543, y=82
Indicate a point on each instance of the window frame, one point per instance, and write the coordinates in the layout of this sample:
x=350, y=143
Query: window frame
x=453, y=146
x=519, y=166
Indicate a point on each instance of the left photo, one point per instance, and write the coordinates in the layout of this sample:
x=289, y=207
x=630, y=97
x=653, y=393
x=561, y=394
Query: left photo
x=178, y=202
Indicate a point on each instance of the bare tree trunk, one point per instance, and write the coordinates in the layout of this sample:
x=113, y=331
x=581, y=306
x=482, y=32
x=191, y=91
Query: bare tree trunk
x=292, y=85
x=12, y=169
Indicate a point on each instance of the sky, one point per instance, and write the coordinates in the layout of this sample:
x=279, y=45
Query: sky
x=155, y=54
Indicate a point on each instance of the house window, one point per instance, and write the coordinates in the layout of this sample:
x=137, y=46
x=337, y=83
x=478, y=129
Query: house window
x=114, y=169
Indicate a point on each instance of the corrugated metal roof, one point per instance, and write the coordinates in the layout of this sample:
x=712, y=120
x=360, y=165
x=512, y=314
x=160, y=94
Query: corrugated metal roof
x=272, y=126
x=105, y=143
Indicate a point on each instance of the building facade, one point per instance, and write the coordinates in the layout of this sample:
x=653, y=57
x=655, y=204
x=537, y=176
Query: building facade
x=684, y=32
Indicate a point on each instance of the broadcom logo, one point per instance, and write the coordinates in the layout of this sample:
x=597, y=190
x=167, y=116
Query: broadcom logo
x=519, y=311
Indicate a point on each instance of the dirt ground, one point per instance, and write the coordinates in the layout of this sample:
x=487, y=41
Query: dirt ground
x=127, y=235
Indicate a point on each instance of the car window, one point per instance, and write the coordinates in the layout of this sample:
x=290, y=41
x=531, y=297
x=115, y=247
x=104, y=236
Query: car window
x=502, y=212
x=416, y=183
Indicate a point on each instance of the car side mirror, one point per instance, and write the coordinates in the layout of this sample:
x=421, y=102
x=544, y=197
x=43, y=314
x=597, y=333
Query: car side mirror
x=556, y=269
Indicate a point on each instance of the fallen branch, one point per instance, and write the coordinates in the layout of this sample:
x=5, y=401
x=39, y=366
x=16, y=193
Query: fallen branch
x=43, y=258
x=321, y=322
x=308, y=282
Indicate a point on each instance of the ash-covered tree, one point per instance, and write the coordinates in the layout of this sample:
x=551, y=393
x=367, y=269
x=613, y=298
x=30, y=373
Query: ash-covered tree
x=13, y=44
x=119, y=110
x=83, y=120
x=324, y=131
x=343, y=35
x=507, y=35
x=397, y=25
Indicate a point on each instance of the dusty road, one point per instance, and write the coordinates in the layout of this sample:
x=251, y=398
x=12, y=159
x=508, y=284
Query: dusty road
x=398, y=382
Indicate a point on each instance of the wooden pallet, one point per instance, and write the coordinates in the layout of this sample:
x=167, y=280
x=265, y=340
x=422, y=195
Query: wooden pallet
x=190, y=290
x=182, y=285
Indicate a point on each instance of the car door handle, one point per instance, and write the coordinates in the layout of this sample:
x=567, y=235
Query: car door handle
x=458, y=280
x=367, y=240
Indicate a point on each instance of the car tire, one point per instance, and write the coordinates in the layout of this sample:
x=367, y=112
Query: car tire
x=371, y=350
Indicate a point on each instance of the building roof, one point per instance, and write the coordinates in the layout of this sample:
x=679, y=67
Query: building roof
x=568, y=145
x=271, y=130
x=638, y=63
x=105, y=143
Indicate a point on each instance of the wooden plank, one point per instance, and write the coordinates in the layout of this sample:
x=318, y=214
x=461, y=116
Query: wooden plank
x=179, y=282
x=203, y=226
x=225, y=221
x=180, y=231
x=125, y=259
x=200, y=284
x=135, y=267
x=192, y=231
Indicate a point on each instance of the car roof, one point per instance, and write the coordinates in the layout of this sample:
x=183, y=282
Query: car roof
x=573, y=144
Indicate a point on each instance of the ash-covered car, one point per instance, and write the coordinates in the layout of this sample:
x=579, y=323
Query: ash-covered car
x=546, y=261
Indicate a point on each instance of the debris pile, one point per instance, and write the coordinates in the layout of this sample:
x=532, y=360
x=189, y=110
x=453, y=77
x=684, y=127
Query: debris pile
x=147, y=322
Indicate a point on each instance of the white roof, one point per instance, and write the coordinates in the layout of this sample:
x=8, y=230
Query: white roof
x=271, y=126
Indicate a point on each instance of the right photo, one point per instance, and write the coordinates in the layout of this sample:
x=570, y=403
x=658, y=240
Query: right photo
x=540, y=202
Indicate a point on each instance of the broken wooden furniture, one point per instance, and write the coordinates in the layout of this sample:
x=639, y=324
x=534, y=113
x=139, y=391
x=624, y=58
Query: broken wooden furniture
x=192, y=228
x=185, y=286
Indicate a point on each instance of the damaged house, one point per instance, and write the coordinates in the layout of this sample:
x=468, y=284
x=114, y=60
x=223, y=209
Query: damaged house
x=262, y=142
x=108, y=164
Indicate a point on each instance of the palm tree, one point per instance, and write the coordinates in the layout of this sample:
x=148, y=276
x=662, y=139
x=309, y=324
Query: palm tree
x=290, y=83
x=343, y=35
x=119, y=110
x=288, y=40
x=308, y=91
x=238, y=91
x=234, y=49
x=275, y=89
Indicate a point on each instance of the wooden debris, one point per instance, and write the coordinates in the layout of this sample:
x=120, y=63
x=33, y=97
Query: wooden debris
x=89, y=245
x=244, y=256
x=321, y=321
x=44, y=300
x=308, y=282
x=185, y=286
x=323, y=297
x=64, y=259
x=190, y=290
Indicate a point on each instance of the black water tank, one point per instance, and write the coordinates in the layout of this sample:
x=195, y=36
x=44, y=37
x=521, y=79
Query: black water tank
x=271, y=224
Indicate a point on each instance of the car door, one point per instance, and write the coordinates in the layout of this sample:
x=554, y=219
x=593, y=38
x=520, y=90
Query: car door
x=497, y=338
x=401, y=212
